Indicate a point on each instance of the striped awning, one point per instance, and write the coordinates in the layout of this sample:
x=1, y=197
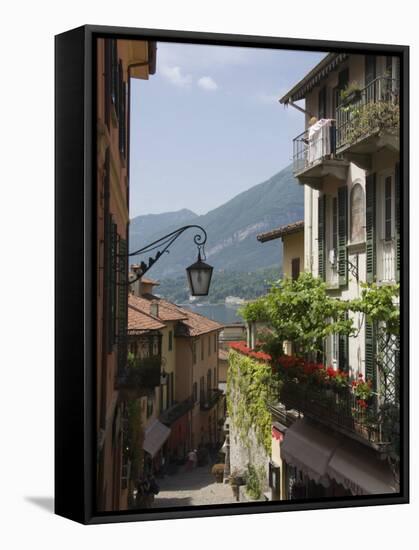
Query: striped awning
x=155, y=437
x=312, y=79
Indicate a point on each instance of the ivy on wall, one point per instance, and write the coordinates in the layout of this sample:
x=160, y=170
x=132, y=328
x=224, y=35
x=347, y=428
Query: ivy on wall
x=249, y=387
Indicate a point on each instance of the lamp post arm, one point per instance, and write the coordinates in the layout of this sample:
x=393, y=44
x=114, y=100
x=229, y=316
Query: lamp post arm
x=163, y=244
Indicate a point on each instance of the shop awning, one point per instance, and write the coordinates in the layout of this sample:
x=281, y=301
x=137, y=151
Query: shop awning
x=155, y=436
x=360, y=471
x=309, y=449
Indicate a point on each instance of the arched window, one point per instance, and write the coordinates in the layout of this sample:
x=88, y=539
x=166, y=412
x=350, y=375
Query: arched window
x=357, y=214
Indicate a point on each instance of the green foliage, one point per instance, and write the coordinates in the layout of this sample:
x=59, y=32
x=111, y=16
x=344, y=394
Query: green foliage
x=249, y=390
x=379, y=303
x=135, y=436
x=301, y=311
x=351, y=88
x=254, y=481
x=255, y=311
x=379, y=117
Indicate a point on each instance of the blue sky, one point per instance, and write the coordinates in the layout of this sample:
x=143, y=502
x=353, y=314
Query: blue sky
x=208, y=124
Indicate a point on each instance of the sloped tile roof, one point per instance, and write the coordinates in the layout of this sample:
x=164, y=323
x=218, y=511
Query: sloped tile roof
x=167, y=310
x=281, y=231
x=197, y=324
x=138, y=320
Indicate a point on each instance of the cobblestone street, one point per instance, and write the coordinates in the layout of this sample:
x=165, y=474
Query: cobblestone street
x=191, y=488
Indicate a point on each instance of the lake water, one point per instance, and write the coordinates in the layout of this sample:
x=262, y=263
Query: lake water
x=217, y=312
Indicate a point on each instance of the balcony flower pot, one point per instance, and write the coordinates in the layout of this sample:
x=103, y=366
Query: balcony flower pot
x=218, y=472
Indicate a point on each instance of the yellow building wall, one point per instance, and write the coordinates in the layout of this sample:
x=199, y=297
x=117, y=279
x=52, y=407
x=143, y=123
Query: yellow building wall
x=293, y=248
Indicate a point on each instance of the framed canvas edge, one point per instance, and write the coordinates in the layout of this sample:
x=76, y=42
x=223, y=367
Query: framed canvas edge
x=85, y=446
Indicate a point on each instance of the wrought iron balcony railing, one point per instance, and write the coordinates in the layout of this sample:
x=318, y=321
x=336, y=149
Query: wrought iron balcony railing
x=176, y=411
x=310, y=148
x=373, y=108
x=340, y=410
x=140, y=374
x=209, y=399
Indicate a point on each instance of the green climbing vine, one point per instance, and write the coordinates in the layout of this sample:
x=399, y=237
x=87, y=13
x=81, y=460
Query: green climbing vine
x=249, y=387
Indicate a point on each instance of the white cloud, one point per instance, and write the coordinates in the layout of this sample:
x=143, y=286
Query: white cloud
x=207, y=83
x=175, y=76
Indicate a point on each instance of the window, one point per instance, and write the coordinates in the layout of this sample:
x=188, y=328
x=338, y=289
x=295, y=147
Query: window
x=202, y=389
x=322, y=102
x=194, y=353
x=209, y=346
x=357, y=214
x=215, y=378
x=170, y=340
x=202, y=348
x=335, y=224
x=370, y=69
x=387, y=209
x=195, y=392
x=215, y=343
x=295, y=268
x=149, y=406
x=343, y=81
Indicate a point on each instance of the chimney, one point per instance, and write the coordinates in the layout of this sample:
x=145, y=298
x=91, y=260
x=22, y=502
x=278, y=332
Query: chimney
x=154, y=308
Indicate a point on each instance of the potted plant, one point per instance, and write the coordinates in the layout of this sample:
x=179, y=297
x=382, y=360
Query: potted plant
x=351, y=93
x=218, y=472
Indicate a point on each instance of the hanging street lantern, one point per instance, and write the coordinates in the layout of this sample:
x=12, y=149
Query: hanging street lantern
x=199, y=274
x=199, y=277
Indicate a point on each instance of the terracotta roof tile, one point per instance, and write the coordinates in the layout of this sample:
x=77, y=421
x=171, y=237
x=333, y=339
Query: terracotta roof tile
x=197, y=324
x=167, y=310
x=137, y=320
x=281, y=231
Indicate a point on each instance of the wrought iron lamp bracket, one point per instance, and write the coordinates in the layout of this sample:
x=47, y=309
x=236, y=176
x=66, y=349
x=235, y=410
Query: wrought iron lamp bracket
x=163, y=244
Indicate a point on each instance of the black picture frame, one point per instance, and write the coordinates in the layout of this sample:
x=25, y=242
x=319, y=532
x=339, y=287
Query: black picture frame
x=75, y=131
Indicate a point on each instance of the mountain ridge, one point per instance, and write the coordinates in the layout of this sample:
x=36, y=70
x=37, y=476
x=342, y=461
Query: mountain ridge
x=232, y=228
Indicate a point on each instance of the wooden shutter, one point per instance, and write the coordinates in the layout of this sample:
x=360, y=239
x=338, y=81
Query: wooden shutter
x=114, y=69
x=323, y=102
x=108, y=80
x=295, y=268
x=370, y=225
x=122, y=302
x=397, y=215
x=370, y=69
x=343, y=350
x=321, y=238
x=110, y=279
x=370, y=354
x=342, y=236
x=121, y=112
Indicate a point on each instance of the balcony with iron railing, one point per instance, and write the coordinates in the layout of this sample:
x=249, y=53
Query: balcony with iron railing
x=209, y=399
x=340, y=410
x=369, y=119
x=176, y=411
x=314, y=154
x=140, y=375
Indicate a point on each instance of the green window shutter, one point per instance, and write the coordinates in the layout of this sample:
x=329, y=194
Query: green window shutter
x=122, y=302
x=370, y=224
x=370, y=354
x=342, y=236
x=397, y=206
x=322, y=236
x=110, y=280
x=112, y=286
x=343, y=350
